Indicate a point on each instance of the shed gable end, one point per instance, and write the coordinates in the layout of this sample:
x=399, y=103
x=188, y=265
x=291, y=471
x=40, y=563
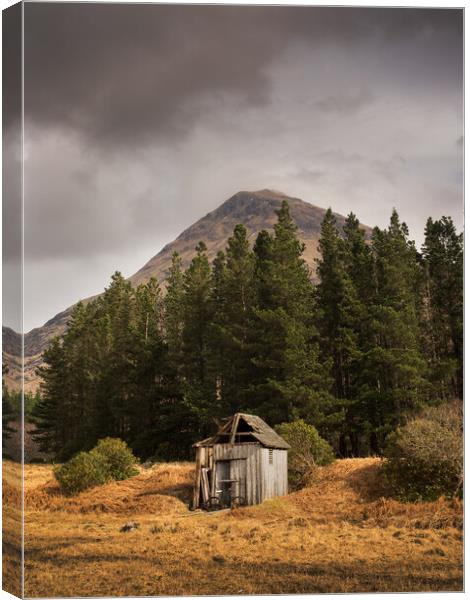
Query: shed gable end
x=242, y=428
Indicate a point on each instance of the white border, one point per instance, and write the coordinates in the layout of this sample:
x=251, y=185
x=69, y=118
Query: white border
x=379, y=3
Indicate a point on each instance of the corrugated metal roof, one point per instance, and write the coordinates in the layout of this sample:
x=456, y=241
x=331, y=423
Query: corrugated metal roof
x=260, y=430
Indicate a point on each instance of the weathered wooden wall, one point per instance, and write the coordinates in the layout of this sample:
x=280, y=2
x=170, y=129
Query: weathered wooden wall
x=273, y=475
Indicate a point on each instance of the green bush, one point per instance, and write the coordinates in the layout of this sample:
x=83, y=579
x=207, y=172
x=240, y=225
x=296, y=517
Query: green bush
x=117, y=458
x=83, y=471
x=308, y=450
x=424, y=458
x=110, y=459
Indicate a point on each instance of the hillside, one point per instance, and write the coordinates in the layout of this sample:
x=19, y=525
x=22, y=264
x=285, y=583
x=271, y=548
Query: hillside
x=256, y=210
x=339, y=534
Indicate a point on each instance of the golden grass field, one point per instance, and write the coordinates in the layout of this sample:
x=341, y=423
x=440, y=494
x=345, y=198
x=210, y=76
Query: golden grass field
x=337, y=535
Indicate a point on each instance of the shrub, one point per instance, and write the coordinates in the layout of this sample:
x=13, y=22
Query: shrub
x=83, y=471
x=424, y=458
x=308, y=450
x=109, y=459
x=117, y=458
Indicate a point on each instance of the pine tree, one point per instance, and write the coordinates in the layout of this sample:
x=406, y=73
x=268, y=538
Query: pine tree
x=393, y=367
x=337, y=318
x=173, y=309
x=199, y=386
x=116, y=313
x=233, y=298
x=289, y=380
x=151, y=397
x=216, y=359
x=442, y=308
x=50, y=429
x=79, y=348
x=359, y=266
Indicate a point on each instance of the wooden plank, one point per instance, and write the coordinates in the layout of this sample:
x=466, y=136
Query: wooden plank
x=228, y=451
x=257, y=477
x=233, y=476
x=248, y=483
x=266, y=477
x=280, y=472
x=205, y=484
x=254, y=476
x=270, y=473
x=214, y=473
x=286, y=471
x=276, y=473
x=262, y=476
x=242, y=465
x=226, y=428
x=234, y=429
x=197, y=482
x=209, y=463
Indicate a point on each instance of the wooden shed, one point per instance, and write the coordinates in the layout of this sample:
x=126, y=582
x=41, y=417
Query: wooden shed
x=244, y=463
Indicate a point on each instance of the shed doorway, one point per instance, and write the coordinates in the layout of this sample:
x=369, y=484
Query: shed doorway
x=231, y=481
x=222, y=481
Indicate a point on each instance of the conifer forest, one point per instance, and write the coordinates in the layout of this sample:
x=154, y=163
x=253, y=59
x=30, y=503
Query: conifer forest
x=370, y=339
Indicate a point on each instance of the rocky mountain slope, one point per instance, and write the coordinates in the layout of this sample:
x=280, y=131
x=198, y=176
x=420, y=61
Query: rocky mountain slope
x=256, y=210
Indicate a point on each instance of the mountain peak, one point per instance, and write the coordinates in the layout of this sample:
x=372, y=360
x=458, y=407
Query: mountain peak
x=246, y=205
x=264, y=195
x=268, y=194
x=254, y=209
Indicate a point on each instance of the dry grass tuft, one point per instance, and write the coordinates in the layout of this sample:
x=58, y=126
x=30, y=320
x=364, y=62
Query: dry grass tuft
x=440, y=514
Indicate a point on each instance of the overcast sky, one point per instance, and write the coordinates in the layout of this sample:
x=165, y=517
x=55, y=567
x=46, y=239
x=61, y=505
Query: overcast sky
x=140, y=119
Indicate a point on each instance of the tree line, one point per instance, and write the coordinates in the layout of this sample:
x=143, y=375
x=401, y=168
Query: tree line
x=376, y=338
x=14, y=403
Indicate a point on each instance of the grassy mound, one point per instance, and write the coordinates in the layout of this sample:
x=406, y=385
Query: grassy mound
x=163, y=488
x=354, y=491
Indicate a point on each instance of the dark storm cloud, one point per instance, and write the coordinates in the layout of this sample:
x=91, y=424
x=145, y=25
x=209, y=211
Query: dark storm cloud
x=142, y=118
x=124, y=74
